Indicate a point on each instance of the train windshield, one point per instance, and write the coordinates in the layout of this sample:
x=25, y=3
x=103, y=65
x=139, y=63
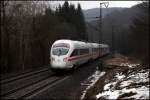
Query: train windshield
x=60, y=49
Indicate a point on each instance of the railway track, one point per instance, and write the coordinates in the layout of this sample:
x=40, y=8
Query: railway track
x=11, y=87
x=28, y=84
x=35, y=88
x=8, y=76
x=44, y=87
x=21, y=76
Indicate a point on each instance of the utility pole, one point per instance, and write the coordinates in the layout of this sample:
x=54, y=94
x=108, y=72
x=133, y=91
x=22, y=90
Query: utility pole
x=100, y=65
x=113, y=47
x=100, y=24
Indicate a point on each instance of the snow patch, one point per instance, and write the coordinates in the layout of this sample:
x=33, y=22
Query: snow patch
x=140, y=77
x=119, y=76
x=129, y=65
x=92, y=79
x=109, y=85
x=108, y=94
x=140, y=92
x=125, y=83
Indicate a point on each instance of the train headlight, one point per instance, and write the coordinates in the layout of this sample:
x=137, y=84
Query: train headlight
x=52, y=59
x=65, y=59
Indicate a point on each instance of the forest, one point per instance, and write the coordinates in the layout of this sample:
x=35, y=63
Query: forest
x=28, y=29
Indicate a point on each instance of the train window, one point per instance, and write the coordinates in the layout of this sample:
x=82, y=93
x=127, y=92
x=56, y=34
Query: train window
x=61, y=45
x=84, y=51
x=95, y=49
x=60, y=51
x=75, y=52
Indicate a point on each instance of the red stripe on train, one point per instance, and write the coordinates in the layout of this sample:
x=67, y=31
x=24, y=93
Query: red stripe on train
x=78, y=57
x=81, y=56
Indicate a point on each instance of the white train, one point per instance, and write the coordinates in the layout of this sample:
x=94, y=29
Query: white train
x=67, y=54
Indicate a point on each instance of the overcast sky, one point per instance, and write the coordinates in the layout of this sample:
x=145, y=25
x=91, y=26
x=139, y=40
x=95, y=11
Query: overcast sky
x=96, y=4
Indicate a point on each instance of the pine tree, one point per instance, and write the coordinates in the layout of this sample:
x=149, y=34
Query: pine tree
x=65, y=10
x=71, y=14
x=57, y=12
x=81, y=22
x=74, y=17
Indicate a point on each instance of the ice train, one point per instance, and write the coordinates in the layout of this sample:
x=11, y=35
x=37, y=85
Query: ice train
x=68, y=54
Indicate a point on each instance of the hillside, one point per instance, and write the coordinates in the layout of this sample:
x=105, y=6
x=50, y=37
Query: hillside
x=95, y=12
x=115, y=21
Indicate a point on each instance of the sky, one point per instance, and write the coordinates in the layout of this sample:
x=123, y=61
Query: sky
x=96, y=4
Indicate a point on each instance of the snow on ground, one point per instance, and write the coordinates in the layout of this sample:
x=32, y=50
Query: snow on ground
x=140, y=93
x=119, y=76
x=92, y=79
x=129, y=65
x=134, y=85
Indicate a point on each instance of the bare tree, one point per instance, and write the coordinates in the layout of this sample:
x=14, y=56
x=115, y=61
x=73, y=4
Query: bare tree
x=4, y=36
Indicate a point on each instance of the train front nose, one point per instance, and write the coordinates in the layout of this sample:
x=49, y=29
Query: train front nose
x=57, y=62
x=60, y=63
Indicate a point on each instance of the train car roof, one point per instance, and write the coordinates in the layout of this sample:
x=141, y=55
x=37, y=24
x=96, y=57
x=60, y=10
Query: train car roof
x=80, y=44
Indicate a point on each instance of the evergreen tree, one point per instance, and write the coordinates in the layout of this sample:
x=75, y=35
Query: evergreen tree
x=57, y=12
x=72, y=14
x=81, y=22
x=60, y=10
x=65, y=10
